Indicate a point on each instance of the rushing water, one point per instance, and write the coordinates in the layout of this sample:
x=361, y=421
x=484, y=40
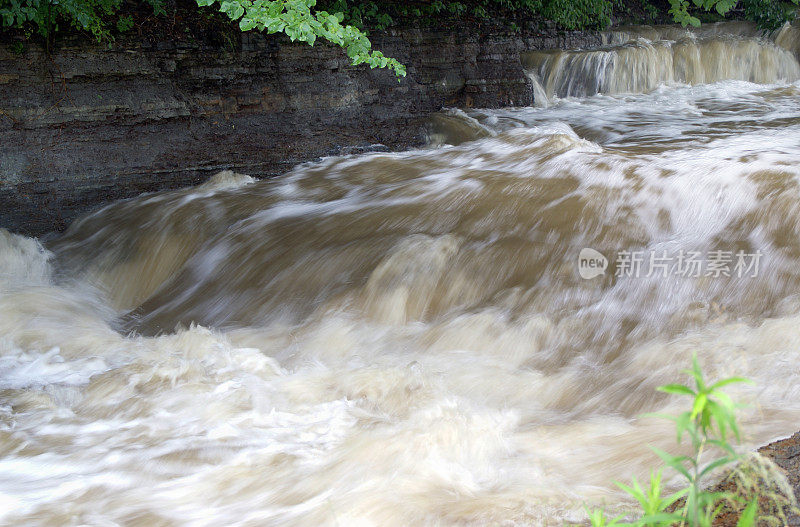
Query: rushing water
x=406, y=339
x=643, y=58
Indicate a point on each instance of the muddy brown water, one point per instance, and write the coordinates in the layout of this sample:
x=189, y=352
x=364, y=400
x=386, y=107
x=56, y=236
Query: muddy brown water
x=413, y=338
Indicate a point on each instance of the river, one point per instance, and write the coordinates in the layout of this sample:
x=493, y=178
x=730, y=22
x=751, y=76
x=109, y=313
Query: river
x=462, y=334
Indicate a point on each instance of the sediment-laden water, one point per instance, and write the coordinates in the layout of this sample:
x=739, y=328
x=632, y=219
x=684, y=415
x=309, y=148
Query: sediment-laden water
x=409, y=339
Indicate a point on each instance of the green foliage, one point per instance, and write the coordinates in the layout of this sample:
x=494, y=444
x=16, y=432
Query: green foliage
x=651, y=11
x=597, y=518
x=361, y=14
x=579, y=14
x=708, y=423
x=45, y=17
x=296, y=19
x=712, y=409
x=568, y=14
x=440, y=10
x=653, y=504
x=125, y=24
x=480, y=12
x=768, y=14
x=346, y=22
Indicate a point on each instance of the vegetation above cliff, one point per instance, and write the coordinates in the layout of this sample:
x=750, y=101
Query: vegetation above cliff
x=347, y=22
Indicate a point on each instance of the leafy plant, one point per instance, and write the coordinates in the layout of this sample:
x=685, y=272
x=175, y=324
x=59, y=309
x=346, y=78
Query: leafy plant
x=679, y=9
x=480, y=12
x=597, y=518
x=296, y=19
x=361, y=14
x=709, y=423
x=651, y=11
x=579, y=14
x=125, y=24
x=17, y=48
x=48, y=16
x=768, y=14
x=652, y=502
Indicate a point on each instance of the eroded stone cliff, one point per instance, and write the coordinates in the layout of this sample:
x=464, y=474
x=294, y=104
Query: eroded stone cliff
x=88, y=125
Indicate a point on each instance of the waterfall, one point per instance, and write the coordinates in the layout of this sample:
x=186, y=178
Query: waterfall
x=642, y=59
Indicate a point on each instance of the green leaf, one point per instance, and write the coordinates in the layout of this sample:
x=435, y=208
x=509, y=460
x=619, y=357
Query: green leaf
x=715, y=464
x=748, y=516
x=678, y=389
x=722, y=445
x=699, y=405
x=295, y=19
x=597, y=518
x=696, y=371
x=675, y=462
x=635, y=492
x=725, y=400
x=672, y=498
x=683, y=423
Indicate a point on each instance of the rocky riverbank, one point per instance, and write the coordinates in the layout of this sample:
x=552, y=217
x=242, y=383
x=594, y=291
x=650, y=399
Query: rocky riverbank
x=786, y=454
x=87, y=125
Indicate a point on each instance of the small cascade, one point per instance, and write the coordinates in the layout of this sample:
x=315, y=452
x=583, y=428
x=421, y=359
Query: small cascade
x=641, y=59
x=625, y=34
x=540, y=98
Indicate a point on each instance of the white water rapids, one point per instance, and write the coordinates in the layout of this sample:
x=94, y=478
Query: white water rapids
x=405, y=338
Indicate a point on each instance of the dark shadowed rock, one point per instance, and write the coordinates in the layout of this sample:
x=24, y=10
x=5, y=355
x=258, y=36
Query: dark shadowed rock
x=90, y=125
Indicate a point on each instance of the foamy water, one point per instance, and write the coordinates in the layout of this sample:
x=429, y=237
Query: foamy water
x=405, y=339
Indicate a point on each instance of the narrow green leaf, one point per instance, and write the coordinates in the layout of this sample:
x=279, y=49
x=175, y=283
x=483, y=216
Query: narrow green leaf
x=675, y=462
x=715, y=464
x=699, y=404
x=678, y=389
x=723, y=445
x=748, y=517
x=672, y=498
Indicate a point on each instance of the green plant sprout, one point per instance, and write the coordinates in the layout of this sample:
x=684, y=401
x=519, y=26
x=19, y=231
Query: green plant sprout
x=710, y=422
